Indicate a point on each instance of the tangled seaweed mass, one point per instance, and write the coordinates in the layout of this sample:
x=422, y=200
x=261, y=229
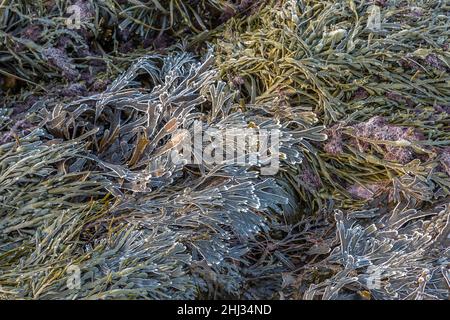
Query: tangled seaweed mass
x=98, y=97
